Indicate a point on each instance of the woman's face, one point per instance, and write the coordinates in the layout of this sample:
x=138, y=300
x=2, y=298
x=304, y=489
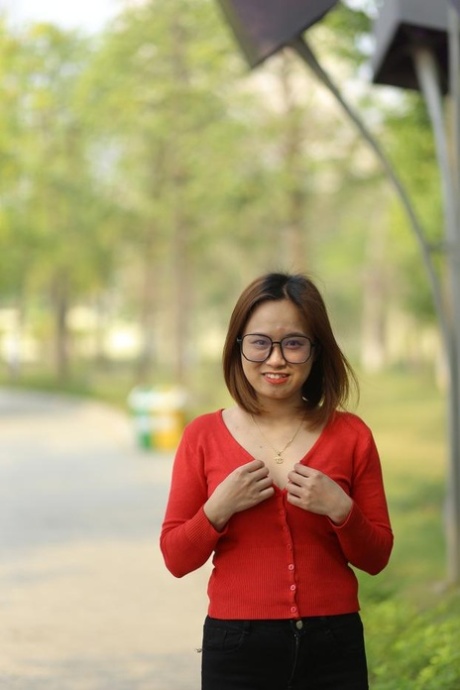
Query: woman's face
x=275, y=379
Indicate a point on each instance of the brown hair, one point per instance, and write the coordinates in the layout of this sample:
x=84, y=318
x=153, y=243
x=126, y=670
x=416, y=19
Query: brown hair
x=328, y=385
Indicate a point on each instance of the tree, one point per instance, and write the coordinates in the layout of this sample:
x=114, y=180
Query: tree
x=60, y=211
x=158, y=88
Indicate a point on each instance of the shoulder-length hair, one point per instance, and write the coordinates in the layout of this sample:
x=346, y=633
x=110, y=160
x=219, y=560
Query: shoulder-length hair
x=329, y=384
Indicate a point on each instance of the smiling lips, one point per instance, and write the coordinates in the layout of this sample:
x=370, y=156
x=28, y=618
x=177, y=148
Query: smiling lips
x=275, y=379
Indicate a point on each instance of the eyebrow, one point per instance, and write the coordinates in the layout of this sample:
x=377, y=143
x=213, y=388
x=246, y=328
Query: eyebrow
x=288, y=335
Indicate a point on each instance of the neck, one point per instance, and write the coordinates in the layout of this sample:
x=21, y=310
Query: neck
x=281, y=432
x=282, y=412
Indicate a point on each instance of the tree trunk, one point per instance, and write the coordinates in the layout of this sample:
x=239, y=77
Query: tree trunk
x=180, y=263
x=62, y=345
x=148, y=304
x=13, y=352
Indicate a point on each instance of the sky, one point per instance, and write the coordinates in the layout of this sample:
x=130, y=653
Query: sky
x=87, y=15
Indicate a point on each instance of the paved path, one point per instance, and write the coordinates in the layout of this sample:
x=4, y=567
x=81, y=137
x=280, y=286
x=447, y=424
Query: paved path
x=85, y=600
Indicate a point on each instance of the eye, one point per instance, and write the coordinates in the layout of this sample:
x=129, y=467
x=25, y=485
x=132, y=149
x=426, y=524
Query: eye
x=259, y=341
x=294, y=343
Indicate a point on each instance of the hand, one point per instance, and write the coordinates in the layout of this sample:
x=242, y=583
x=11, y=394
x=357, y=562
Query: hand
x=312, y=490
x=243, y=488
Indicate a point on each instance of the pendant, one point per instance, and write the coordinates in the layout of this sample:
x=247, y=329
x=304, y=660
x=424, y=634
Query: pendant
x=278, y=459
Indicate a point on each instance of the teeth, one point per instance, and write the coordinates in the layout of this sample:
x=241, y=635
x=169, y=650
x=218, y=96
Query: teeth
x=275, y=376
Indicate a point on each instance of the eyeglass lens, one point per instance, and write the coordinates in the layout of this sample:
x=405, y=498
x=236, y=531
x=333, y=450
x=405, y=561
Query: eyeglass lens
x=257, y=348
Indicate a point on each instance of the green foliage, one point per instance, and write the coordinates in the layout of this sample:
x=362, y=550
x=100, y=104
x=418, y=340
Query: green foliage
x=144, y=168
x=411, y=146
x=410, y=649
x=350, y=27
x=412, y=621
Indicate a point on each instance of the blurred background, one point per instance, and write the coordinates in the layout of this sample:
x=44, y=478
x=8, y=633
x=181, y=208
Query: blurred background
x=146, y=176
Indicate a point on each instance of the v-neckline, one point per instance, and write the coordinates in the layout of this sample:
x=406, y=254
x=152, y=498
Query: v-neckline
x=304, y=460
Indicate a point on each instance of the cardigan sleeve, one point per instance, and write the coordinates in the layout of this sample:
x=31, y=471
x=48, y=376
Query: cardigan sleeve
x=366, y=537
x=187, y=538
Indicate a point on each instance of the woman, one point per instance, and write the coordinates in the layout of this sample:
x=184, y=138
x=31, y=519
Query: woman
x=285, y=490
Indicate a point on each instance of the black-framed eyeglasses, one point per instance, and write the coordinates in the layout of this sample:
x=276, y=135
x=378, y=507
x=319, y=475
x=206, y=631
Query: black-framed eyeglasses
x=295, y=349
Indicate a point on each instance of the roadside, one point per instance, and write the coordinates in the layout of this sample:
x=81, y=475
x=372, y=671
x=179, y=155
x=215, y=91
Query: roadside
x=85, y=600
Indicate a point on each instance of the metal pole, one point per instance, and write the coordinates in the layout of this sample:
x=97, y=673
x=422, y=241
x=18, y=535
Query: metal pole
x=428, y=76
x=300, y=45
x=454, y=70
x=454, y=88
x=449, y=319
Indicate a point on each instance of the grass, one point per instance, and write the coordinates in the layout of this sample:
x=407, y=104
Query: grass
x=412, y=617
x=408, y=416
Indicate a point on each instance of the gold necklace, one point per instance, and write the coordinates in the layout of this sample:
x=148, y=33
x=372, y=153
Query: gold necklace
x=279, y=453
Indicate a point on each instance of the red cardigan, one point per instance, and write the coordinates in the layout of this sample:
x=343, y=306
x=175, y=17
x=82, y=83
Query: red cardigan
x=275, y=560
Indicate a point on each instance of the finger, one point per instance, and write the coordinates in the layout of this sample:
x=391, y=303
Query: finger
x=304, y=471
x=293, y=490
x=254, y=465
x=263, y=473
x=264, y=483
x=296, y=478
x=293, y=487
x=295, y=500
x=266, y=493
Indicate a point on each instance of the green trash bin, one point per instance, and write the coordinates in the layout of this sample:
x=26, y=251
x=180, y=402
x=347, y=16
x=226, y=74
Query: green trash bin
x=158, y=415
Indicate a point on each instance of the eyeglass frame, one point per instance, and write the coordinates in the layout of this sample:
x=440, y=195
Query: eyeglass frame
x=240, y=339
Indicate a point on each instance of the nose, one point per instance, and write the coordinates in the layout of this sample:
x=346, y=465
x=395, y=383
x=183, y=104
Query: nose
x=276, y=355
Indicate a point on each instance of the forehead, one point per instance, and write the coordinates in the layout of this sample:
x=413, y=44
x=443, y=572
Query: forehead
x=276, y=318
